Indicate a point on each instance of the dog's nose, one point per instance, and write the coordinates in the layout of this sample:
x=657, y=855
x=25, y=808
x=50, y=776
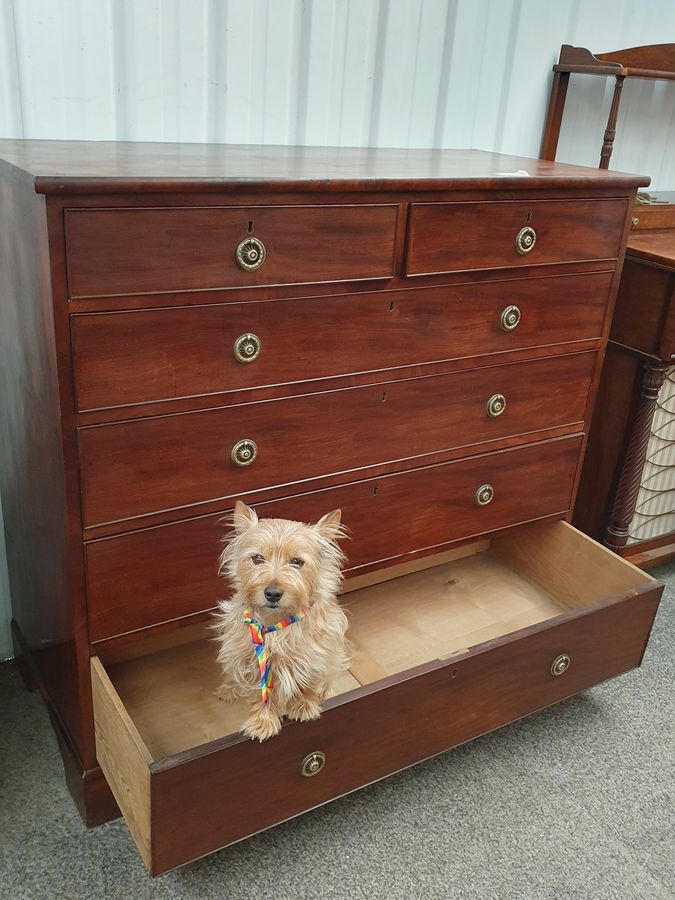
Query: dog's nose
x=273, y=594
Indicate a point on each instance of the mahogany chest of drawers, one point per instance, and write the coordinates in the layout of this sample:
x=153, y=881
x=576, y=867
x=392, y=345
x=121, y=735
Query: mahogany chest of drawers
x=412, y=336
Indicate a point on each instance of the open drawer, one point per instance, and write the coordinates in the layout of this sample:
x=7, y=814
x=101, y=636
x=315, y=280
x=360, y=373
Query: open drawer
x=482, y=635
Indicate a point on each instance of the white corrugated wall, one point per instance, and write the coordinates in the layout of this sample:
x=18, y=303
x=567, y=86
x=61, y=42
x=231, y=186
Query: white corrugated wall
x=403, y=73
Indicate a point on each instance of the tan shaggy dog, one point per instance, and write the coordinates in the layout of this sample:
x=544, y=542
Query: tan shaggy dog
x=279, y=569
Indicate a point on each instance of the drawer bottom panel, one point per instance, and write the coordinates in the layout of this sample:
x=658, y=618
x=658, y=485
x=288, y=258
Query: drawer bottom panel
x=553, y=614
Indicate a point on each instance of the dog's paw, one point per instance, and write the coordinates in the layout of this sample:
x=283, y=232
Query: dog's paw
x=263, y=724
x=303, y=710
x=227, y=693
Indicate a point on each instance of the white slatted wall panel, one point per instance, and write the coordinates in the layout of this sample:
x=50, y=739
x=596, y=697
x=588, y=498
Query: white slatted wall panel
x=404, y=73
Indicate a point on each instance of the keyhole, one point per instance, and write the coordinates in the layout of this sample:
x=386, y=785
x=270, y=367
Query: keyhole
x=391, y=306
x=250, y=226
x=375, y=490
x=529, y=218
x=384, y=396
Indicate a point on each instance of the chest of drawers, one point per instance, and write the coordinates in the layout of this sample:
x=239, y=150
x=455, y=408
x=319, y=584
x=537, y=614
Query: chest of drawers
x=414, y=337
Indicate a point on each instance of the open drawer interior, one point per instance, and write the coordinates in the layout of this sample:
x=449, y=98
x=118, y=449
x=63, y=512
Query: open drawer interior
x=417, y=613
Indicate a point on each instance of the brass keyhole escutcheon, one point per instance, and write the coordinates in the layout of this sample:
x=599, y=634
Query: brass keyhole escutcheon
x=313, y=764
x=244, y=452
x=560, y=665
x=246, y=348
x=525, y=240
x=250, y=254
x=484, y=495
x=496, y=405
x=510, y=318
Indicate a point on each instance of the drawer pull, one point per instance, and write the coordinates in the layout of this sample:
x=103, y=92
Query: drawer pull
x=246, y=348
x=525, y=240
x=484, y=495
x=560, y=665
x=250, y=254
x=496, y=405
x=510, y=318
x=313, y=764
x=244, y=452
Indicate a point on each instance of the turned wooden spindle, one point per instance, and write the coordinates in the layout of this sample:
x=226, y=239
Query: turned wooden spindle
x=625, y=499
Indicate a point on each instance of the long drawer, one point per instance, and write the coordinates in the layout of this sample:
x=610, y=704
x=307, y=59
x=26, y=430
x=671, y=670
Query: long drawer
x=189, y=783
x=149, y=465
x=451, y=237
x=148, y=250
x=173, y=567
x=122, y=358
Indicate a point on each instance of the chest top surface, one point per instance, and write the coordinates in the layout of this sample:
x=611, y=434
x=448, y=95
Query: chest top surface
x=99, y=166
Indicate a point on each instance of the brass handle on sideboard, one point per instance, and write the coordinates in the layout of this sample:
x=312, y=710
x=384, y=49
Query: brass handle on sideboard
x=246, y=348
x=510, y=318
x=244, y=452
x=484, y=495
x=250, y=254
x=560, y=665
x=525, y=240
x=495, y=405
x=313, y=764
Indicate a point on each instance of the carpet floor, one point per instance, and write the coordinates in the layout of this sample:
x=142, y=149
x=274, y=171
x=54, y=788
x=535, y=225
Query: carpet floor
x=576, y=802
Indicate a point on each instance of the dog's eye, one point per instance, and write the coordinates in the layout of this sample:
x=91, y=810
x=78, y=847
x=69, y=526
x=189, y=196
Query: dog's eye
x=297, y=562
x=256, y=559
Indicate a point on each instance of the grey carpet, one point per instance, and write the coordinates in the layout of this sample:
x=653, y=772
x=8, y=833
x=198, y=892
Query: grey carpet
x=575, y=802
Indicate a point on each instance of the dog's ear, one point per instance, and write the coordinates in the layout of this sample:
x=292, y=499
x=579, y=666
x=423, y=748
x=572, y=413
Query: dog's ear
x=243, y=517
x=329, y=526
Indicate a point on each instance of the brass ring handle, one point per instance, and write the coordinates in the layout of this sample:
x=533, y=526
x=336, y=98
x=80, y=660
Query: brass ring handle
x=510, y=318
x=250, y=254
x=313, y=764
x=244, y=452
x=496, y=405
x=246, y=348
x=525, y=240
x=560, y=665
x=484, y=495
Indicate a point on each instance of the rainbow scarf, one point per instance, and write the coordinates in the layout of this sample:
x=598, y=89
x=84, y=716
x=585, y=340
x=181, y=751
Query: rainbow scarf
x=258, y=632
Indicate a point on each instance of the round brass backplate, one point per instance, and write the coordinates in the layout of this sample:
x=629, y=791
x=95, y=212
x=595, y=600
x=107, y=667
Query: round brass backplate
x=313, y=764
x=250, y=254
x=510, y=318
x=244, y=452
x=560, y=665
x=246, y=348
x=484, y=495
x=496, y=405
x=526, y=239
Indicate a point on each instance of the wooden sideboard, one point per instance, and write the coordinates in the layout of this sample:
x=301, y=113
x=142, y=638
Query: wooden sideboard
x=415, y=337
x=640, y=354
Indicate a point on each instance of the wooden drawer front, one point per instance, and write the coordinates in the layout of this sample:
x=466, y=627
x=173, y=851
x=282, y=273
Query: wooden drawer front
x=131, y=251
x=157, y=574
x=182, y=806
x=135, y=357
x=450, y=237
x=149, y=465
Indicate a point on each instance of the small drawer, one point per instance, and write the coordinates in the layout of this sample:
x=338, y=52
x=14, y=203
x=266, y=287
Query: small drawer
x=192, y=458
x=173, y=567
x=149, y=250
x=451, y=237
x=475, y=642
x=123, y=358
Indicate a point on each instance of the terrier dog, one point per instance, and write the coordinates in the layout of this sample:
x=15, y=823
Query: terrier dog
x=282, y=633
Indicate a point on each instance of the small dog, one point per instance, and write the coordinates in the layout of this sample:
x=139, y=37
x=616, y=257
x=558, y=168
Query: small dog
x=282, y=633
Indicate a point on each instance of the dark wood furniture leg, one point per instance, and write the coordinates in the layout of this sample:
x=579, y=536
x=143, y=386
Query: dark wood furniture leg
x=610, y=131
x=554, y=115
x=628, y=488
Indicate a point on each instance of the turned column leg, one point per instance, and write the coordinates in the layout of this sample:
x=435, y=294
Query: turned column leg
x=610, y=131
x=628, y=488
